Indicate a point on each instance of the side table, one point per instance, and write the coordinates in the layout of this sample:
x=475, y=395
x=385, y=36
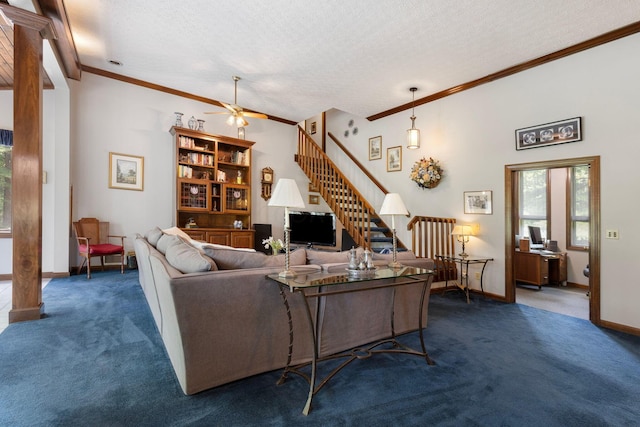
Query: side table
x=463, y=284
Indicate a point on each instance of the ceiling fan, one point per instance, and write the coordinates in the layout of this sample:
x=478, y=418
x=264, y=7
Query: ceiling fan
x=237, y=115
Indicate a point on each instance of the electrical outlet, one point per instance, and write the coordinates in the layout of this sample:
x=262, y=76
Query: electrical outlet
x=478, y=275
x=612, y=234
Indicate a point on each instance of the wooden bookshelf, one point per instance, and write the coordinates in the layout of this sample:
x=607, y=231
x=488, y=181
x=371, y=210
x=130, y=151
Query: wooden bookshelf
x=213, y=186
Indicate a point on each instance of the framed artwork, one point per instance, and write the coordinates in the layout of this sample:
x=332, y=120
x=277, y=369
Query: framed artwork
x=478, y=202
x=313, y=128
x=126, y=172
x=375, y=148
x=569, y=130
x=394, y=159
x=314, y=199
x=313, y=188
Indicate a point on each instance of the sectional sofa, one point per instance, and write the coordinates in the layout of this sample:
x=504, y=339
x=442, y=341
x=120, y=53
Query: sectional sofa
x=221, y=319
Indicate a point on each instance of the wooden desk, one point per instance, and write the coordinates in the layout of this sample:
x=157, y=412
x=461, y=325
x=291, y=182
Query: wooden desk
x=540, y=268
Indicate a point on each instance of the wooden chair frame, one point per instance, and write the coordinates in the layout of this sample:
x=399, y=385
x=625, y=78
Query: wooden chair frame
x=93, y=238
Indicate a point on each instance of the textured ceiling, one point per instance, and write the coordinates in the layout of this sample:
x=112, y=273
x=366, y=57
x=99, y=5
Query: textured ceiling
x=299, y=58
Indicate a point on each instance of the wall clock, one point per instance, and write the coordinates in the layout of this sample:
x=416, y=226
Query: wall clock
x=267, y=182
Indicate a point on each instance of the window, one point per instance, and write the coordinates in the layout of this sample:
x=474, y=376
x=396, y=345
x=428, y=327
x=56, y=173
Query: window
x=578, y=207
x=6, y=143
x=533, y=201
x=5, y=189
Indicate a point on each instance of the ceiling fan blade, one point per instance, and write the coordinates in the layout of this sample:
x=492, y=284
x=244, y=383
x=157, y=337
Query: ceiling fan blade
x=216, y=112
x=254, y=115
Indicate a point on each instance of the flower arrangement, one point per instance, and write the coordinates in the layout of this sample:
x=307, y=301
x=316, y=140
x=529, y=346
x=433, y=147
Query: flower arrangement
x=427, y=173
x=275, y=244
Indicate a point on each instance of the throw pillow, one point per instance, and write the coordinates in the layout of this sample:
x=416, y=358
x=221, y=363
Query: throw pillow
x=296, y=257
x=227, y=259
x=188, y=259
x=165, y=241
x=204, y=245
x=153, y=235
x=175, y=231
x=329, y=257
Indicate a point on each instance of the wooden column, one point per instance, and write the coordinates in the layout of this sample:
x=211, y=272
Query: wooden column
x=26, y=214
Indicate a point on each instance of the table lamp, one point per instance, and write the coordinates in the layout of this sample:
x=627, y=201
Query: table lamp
x=462, y=233
x=286, y=194
x=393, y=205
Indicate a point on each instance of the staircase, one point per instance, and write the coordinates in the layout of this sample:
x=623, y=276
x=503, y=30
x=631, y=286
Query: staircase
x=357, y=216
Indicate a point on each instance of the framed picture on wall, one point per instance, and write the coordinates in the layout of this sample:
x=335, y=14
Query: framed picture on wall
x=126, y=172
x=313, y=127
x=569, y=130
x=478, y=202
x=394, y=159
x=375, y=148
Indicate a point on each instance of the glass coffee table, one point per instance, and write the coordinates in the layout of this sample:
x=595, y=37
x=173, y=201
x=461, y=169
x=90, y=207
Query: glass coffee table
x=315, y=287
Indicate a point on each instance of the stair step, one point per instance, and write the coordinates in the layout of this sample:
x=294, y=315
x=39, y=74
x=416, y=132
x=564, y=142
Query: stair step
x=381, y=239
x=380, y=229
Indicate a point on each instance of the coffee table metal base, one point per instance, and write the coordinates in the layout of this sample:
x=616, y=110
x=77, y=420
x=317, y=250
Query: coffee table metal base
x=386, y=345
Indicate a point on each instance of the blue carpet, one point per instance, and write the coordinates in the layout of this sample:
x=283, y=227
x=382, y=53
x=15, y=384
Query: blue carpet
x=98, y=360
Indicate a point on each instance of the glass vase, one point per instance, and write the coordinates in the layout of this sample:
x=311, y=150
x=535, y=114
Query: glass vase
x=192, y=123
x=178, y=119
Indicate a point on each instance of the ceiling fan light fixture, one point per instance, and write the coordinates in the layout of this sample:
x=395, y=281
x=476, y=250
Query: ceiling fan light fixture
x=231, y=120
x=241, y=122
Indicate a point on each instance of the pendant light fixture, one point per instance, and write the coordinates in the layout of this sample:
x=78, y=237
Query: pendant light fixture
x=413, y=134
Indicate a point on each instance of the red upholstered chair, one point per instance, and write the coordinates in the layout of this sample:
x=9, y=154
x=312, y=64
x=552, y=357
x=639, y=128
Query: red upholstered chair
x=93, y=241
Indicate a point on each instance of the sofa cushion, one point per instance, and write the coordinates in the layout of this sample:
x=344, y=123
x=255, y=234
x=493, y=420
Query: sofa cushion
x=188, y=259
x=175, y=231
x=153, y=235
x=230, y=259
x=203, y=245
x=331, y=257
x=165, y=241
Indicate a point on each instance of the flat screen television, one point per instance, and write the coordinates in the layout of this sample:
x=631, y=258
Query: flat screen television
x=312, y=228
x=536, y=235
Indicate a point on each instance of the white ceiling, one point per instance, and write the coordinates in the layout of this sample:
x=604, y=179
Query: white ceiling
x=299, y=58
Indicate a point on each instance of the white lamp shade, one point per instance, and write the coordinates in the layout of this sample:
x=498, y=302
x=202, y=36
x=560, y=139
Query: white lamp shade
x=462, y=230
x=413, y=138
x=286, y=194
x=393, y=205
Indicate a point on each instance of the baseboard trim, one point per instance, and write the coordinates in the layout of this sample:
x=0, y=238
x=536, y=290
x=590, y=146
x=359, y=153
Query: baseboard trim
x=620, y=327
x=577, y=285
x=24, y=314
x=45, y=275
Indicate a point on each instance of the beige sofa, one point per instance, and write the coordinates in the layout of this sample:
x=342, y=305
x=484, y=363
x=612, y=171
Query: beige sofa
x=229, y=322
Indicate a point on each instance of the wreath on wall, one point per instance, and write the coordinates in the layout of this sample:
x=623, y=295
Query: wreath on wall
x=426, y=172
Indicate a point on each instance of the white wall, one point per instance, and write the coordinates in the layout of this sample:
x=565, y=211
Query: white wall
x=112, y=116
x=55, y=161
x=576, y=260
x=472, y=134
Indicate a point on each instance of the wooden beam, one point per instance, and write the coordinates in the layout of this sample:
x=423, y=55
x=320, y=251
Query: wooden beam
x=26, y=179
x=588, y=44
x=63, y=46
x=169, y=90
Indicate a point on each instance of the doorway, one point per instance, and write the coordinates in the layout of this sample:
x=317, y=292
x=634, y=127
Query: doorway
x=511, y=194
